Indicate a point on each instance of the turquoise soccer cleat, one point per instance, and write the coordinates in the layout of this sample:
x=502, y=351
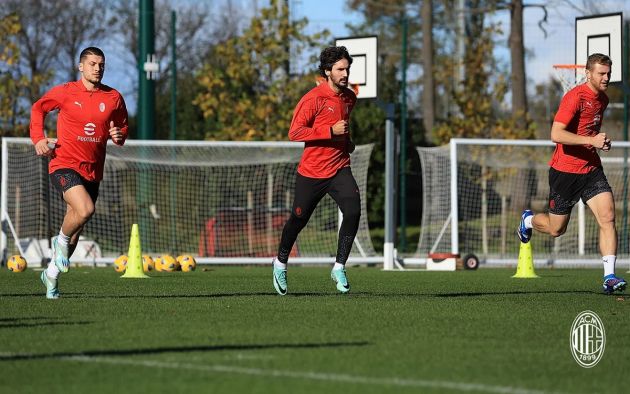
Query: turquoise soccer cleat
x=52, y=292
x=59, y=258
x=280, y=280
x=612, y=283
x=339, y=277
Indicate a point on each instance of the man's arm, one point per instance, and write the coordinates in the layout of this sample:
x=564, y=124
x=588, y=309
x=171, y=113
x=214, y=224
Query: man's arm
x=50, y=101
x=119, y=125
x=303, y=118
x=560, y=135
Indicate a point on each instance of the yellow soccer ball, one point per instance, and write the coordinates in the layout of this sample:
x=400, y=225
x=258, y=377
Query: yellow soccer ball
x=147, y=263
x=168, y=263
x=16, y=263
x=187, y=262
x=120, y=264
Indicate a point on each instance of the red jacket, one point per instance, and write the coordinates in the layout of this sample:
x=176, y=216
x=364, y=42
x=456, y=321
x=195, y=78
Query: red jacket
x=582, y=110
x=313, y=118
x=82, y=126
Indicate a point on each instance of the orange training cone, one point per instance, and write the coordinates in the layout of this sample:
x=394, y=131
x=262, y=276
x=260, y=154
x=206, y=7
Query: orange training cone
x=134, y=262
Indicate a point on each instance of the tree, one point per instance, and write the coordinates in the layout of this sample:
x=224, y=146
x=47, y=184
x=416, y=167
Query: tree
x=10, y=84
x=517, y=55
x=78, y=31
x=247, y=93
x=194, y=40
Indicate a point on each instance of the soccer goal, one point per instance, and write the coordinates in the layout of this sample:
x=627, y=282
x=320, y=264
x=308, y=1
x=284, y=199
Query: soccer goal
x=223, y=202
x=493, y=181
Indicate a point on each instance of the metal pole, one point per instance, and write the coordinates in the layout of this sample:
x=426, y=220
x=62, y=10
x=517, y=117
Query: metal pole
x=146, y=104
x=390, y=218
x=146, y=111
x=626, y=95
x=453, y=196
x=172, y=135
x=403, y=141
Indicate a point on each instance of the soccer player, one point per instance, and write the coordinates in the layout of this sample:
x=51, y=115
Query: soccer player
x=320, y=120
x=576, y=169
x=90, y=113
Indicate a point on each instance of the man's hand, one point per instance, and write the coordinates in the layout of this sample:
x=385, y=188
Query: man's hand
x=115, y=133
x=601, y=141
x=45, y=147
x=340, y=128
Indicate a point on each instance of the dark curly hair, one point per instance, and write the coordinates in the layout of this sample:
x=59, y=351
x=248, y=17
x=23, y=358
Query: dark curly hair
x=330, y=56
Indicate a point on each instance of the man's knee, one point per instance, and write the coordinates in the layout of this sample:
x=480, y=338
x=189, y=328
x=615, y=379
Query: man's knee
x=351, y=208
x=607, y=219
x=84, y=212
x=556, y=232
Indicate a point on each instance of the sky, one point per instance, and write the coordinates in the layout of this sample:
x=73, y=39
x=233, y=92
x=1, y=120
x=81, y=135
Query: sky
x=557, y=47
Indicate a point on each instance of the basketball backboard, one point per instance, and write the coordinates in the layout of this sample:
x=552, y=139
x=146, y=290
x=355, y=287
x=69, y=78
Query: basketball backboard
x=600, y=34
x=363, y=72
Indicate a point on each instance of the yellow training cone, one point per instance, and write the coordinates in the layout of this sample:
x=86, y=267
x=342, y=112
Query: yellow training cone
x=525, y=267
x=134, y=262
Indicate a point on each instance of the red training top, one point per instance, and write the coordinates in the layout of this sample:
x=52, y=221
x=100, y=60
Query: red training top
x=82, y=126
x=582, y=110
x=313, y=118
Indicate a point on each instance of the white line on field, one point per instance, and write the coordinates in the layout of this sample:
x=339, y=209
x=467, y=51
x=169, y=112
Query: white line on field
x=333, y=377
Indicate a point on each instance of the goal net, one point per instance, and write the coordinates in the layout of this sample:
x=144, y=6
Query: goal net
x=493, y=181
x=223, y=202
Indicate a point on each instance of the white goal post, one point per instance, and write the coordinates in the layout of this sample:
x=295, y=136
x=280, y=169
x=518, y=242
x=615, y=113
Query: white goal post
x=493, y=181
x=222, y=202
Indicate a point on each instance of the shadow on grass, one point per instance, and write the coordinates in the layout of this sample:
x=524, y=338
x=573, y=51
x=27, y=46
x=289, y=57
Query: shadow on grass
x=507, y=293
x=178, y=349
x=45, y=323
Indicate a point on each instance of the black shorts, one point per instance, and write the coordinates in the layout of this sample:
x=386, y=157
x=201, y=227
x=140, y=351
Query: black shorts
x=65, y=178
x=566, y=189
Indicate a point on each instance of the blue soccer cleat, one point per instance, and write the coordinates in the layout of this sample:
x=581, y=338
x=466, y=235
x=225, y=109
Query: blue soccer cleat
x=59, y=257
x=339, y=277
x=280, y=280
x=524, y=233
x=52, y=292
x=613, y=283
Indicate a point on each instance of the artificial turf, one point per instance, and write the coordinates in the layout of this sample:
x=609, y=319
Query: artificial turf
x=224, y=329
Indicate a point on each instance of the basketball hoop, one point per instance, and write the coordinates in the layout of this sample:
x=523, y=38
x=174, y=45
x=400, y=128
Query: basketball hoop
x=570, y=75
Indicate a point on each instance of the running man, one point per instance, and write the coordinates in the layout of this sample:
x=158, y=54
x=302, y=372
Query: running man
x=90, y=113
x=320, y=120
x=576, y=169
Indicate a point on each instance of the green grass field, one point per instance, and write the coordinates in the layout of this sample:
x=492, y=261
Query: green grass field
x=224, y=330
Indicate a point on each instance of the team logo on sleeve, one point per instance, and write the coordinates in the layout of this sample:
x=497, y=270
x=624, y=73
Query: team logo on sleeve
x=89, y=128
x=101, y=107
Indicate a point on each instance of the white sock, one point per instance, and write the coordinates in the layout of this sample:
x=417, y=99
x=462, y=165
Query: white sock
x=52, y=271
x=528, y=222
x=278, y=264
x=338, y=266
x=62, y=241
x=609, y=264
